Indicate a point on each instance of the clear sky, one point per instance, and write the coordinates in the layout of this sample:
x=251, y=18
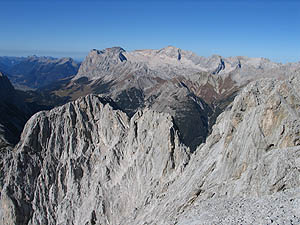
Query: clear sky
x=255, y=28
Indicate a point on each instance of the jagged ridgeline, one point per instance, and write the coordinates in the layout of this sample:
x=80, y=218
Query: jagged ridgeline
x=131, y=153
x=191, y=88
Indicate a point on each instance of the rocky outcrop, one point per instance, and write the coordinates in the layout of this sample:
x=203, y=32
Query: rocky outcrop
x=108, y=61
x=89, y=163
x=252, y=152
x=84, y=162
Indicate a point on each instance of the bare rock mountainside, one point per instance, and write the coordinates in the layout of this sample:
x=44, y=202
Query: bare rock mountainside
x=191, y=88
x=87, y=162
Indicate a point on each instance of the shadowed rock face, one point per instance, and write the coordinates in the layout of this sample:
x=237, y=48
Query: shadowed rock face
x=13, y=115
x=6, y=89
x=13, y=112
x=89, y=163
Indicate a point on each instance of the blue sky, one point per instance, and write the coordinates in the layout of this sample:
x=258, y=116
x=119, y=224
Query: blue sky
x=253, y=28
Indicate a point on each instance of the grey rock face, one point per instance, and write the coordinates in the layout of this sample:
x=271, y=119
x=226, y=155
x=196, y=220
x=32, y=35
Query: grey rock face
x=253, y=151
x=172, y=62
x=105, y=60
x=88, y=163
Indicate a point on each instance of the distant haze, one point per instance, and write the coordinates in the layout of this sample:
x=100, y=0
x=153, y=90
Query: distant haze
x=79, y=56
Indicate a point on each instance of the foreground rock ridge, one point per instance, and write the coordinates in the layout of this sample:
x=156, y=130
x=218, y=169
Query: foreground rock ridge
x=87, y=162
x=84, y=162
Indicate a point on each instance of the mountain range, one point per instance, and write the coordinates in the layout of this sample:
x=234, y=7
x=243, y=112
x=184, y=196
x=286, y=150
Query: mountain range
x=191, y=88
x=35, y=72
x=155, y=137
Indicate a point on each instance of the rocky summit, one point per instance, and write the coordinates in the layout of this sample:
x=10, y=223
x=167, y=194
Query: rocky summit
x=88, y=162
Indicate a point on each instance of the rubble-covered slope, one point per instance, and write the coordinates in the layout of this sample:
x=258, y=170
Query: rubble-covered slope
x=253, y=151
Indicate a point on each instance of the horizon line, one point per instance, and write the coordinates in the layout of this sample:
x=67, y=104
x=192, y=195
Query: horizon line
x=82, y=54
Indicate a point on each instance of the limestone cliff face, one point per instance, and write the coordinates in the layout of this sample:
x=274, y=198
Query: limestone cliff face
x=256, y=143
x=89, y=163
x=253, y=151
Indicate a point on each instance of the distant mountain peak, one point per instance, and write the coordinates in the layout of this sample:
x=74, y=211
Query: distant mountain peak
x=171, y=51
x=115, y=50
x=113, y=53
x=171, y=47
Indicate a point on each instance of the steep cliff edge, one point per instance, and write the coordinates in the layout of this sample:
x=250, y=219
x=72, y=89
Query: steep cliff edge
x=13, y=113
x=87, y=163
